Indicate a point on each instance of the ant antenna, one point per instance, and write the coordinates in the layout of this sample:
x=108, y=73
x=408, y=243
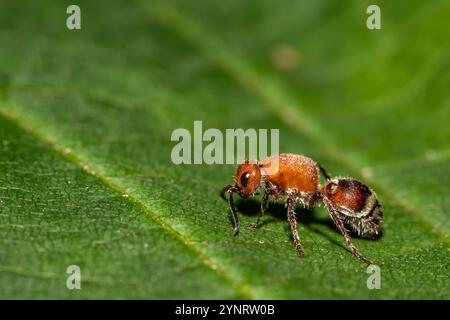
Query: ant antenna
x=230, y=189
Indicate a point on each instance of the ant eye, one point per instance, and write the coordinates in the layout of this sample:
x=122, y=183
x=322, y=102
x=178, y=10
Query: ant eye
x=332, y=188
x=244, y=179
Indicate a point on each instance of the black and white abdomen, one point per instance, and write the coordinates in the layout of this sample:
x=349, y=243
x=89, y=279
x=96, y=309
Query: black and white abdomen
x=355, y=204
x=367, y=224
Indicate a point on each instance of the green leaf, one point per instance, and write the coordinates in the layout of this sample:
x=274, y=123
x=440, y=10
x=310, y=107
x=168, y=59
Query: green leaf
x=86, y=118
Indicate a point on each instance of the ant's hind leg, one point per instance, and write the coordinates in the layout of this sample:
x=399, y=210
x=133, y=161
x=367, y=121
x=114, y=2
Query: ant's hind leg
x=324, y=172
x=340, y=225
x=290, y=204
x=264, y=205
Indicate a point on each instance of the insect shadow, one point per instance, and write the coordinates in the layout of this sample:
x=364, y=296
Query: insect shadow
x=277, y=211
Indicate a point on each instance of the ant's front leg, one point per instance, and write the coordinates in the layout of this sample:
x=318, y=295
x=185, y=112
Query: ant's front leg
x=340, y=225
x=290, y=204
x=264, y=205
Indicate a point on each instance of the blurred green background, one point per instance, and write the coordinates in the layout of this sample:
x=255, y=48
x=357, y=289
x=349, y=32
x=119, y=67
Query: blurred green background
x=85, y=123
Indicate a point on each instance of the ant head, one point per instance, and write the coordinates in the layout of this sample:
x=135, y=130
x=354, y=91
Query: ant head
x=247, y=178
x=347, y=192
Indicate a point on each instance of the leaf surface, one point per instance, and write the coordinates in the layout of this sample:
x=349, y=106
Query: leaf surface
x=86, y=119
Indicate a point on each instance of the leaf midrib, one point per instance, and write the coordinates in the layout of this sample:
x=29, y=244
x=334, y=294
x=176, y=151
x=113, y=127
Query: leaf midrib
x=244, y=291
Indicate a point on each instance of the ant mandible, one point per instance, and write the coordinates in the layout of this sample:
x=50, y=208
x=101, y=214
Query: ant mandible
x=348, y=201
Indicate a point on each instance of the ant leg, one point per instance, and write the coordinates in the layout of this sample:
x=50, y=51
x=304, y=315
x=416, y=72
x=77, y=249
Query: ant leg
x=313, y=199
x=316, y=199
x=324, y=172
x=290, y=204
x=264, y=205
x=347, y=238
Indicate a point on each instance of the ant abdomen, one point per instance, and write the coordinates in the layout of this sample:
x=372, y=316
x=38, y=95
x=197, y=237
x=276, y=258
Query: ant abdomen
x=368, y=227
x=356, y=205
